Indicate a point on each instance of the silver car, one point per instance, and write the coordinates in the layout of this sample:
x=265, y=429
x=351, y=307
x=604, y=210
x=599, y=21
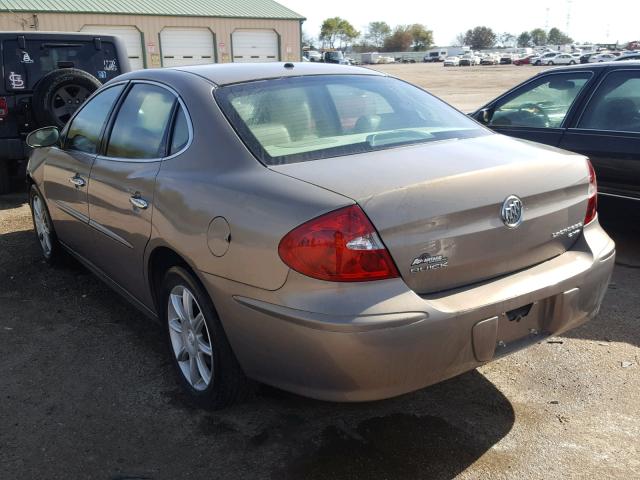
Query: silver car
x=328, y=230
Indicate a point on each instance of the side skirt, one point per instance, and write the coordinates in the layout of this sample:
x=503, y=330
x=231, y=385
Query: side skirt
x=112, y=284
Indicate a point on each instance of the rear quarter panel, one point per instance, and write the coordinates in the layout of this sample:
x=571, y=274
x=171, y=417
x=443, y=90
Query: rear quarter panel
x=218, y=177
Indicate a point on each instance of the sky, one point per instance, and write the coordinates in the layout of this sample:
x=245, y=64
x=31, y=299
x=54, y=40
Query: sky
x=589, y=20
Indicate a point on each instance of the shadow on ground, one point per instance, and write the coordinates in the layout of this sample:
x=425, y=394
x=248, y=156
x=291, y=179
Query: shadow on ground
x=87, y=377
x=618, y=319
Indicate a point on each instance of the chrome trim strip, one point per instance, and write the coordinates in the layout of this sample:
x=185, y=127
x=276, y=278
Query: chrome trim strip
x=70, y=211
x=109, y=233
x=624, y=197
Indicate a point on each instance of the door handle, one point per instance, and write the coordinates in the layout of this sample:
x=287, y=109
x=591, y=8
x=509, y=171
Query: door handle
x=78, y=181
x=138, y=202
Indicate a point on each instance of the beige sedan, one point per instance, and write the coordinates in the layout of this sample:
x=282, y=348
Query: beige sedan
x=325, y=229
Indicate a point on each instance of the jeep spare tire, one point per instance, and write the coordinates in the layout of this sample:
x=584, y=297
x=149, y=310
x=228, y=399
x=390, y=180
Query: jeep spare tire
x=60, y=93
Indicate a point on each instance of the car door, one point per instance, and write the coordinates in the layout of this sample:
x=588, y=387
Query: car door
x=608, y=132
x=67, y=168
x=123, y=180
x=537, y=110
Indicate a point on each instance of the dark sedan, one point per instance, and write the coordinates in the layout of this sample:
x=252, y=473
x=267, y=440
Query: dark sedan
x=591, y=109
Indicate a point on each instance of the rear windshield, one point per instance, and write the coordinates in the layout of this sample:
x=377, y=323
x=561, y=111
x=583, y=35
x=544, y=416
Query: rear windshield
x=24, y=67
x=298, y=119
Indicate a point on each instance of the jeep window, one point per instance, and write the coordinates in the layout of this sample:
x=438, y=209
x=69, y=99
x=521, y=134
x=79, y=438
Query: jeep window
x=24, y=67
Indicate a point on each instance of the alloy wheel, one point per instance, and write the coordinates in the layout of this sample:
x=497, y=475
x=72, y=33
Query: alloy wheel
x=43, y=229
x=66, y=100
x=190, y=339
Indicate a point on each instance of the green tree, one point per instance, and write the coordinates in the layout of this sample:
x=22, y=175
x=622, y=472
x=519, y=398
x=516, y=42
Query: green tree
x=460, y=39
x=524, y=39
x=421, y=36
x=337, y=29
x=377, y=33
x=308, y=41
x=400, y=40
x=480, y=38
x=506, y=39
x=556, y=37
x=538, y=36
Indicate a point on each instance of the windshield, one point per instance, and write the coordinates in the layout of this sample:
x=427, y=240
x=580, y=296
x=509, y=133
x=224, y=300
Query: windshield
x=309, y=118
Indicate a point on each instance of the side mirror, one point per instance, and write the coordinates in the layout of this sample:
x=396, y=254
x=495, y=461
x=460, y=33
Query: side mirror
x=484, y=115
x=43, y=137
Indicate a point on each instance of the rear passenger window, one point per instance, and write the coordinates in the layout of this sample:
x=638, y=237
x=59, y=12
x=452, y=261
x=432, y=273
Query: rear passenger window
x=180, y=135
x=615, y=104
x=84, y=131
x=140, y=128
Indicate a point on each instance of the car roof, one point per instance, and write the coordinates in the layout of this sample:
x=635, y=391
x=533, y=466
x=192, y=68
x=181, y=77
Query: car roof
x=227, y=73
x=589, y=66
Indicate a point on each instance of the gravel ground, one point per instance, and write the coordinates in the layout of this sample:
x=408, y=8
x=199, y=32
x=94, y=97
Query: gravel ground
x=87, y=391
x=466, y=88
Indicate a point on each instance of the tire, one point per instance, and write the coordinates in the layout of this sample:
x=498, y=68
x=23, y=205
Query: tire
x=551, y=63
x=60, y=93
x=43, y=226
x=5, y=180
x=572, y=62
x=226, y=382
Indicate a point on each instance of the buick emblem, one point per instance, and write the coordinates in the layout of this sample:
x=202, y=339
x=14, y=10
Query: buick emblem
x=511, y=213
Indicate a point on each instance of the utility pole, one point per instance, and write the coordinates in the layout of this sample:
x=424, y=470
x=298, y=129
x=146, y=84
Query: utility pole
x=546, y=20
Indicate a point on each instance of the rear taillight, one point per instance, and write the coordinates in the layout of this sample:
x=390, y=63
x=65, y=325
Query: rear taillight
x=592, y=204
x=340, y=246
x=4, y=107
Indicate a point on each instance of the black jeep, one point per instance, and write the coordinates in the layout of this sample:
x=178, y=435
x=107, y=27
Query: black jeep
x=47, y=76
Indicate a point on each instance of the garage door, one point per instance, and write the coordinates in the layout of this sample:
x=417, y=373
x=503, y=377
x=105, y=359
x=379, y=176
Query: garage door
x=186, y=46
x=131, y=37
x=255, y=46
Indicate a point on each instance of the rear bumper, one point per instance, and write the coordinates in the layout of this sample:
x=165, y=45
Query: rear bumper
x=358, y=342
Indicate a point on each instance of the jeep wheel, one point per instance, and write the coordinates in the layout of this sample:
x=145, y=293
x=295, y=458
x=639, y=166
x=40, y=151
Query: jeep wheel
x=60, y=93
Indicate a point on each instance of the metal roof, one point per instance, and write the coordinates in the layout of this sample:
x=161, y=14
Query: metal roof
x=190, y=8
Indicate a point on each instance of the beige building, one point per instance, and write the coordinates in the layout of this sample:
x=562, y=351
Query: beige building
x=164, y=33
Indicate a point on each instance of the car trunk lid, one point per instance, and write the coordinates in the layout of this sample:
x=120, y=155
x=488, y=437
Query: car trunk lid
x=437, y=207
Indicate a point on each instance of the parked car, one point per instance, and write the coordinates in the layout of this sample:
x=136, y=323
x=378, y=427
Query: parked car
x=543, y=59
x=220, y=200
x=602, y=57
x=591, y=109
x=468, y=61
x=451, y=62
x=334, y=56
x=506, y=59
x=629, y=56
x=562, y=59
x=489, y=60
x=47, y=76
x=584, y=58
x=526, y=60
x=313, y=55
